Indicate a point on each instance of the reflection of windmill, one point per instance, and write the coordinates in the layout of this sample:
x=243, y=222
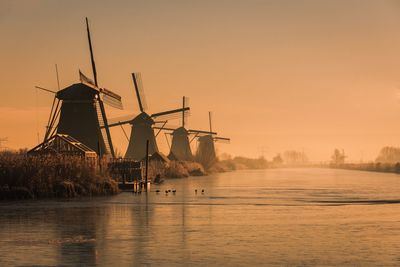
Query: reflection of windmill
x=180, y=147
x=206, y=149
x=82, y=113
x=142, y=124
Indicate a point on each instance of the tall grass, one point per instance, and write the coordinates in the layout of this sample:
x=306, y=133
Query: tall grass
x=23, y=176
x=239, y=163
x=175, y=169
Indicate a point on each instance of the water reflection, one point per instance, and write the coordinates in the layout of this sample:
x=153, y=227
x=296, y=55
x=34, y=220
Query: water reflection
x=279, y=217
x=77, y=230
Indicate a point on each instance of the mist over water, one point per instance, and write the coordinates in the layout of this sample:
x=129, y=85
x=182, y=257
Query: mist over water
x=279, y=217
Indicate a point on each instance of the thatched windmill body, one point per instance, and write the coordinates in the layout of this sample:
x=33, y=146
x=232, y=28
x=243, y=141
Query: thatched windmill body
x=78, y=111
x=180, y=145
x=205, y=153
x=142, y=124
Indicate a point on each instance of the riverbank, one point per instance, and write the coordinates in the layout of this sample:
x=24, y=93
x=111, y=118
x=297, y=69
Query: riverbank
x=24, y=177
x=372, y=167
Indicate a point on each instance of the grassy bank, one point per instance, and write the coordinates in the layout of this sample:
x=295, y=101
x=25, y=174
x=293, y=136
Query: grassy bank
x=24, y=177
x=182, y=169
x=176, y=169
x=240, y=163
x=375, y=167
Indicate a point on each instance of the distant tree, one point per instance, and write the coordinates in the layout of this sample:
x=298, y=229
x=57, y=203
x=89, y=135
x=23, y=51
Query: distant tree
x=389, y=155
x=338, y=157
x=277, y=160
x=225, y=156
x=293, y=157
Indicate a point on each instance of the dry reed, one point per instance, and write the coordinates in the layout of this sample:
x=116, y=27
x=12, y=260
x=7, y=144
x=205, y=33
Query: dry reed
x=23, y=176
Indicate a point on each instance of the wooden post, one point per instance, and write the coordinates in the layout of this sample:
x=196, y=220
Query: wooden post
x=99, y=157
x=147, y=163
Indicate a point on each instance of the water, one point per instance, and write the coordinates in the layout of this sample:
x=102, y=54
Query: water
x=282, y=217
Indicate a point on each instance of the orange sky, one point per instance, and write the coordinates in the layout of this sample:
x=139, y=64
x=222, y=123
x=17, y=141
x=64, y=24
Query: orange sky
x=305, y=75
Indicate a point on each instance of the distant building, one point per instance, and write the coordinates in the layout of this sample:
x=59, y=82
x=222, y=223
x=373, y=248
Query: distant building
x=63, y=144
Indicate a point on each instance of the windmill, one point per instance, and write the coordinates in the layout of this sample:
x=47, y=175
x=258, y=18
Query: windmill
x=142, y=124
x=180, y=145
x=206, y=149
x=78, y=111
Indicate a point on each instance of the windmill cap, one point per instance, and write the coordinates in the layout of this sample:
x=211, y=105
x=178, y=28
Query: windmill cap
x=180, y=131
x=143, y=118
x=77, y=91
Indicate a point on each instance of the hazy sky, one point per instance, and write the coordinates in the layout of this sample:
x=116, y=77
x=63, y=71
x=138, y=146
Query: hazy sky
x=305, y=75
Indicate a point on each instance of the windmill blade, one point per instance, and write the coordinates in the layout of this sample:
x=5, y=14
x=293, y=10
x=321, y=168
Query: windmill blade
x=201, y=132
x=123, y=130
x=91, y=53
x=170, y=126
x=185, y=103
x=166, y=137
x=137, y=82
x=193, y=138
x=222, y=140
x=84, y=79
x=170, y=114
x=158, y=122
x=120, y=120
x=111, y=98
x=163, y=128
x=44, y=89
x=112, y=102
x=209, y=120
x=117, y=123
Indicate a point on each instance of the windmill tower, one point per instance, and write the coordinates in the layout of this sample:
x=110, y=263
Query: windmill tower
x=206, y=154
x=142, y=124
x=180, y=147
x=78, y=111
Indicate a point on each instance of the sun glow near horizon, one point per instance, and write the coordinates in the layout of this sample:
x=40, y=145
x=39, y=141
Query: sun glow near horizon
x=308, y=76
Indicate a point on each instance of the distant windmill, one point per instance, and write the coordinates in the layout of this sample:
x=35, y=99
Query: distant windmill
x=142, y=124
x=206, y=154
x=78, y=111
x=180, y=147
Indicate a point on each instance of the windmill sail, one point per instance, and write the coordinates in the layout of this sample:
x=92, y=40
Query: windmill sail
x=137, y=82
x=222, y=140
x=175, y=113
x=84, y=79
x=111, y=98
x=91, y=53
